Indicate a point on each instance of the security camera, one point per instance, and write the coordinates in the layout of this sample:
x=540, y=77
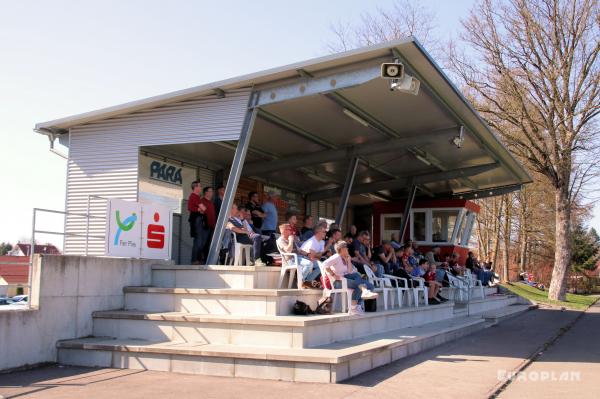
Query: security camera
x=407, y=84
x=392, y=70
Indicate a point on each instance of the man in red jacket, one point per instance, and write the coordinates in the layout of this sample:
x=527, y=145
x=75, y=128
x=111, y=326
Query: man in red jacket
x=211, y=217
x=198, y=222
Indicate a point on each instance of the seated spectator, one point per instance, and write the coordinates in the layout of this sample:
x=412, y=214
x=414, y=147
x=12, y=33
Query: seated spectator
x=362, y=254
x=433, y=287
x=246, y=218
x=335, y=235
x=486, y=277
x=419, y=269
x=394, y=242
x=455, y=268
x=433, y=256
x=416, y=253
x=243, y=235
x=292, y=219
x=384, y=255
x=307, y=230
x=314, y=249
x=353, y=231
x=340, y=266
x=255, y=209
x=286, y=243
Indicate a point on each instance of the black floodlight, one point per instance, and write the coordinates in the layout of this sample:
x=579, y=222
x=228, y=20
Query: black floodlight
x=392, y=70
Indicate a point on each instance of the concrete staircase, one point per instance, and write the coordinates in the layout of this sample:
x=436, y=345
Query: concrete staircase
x=232, y=321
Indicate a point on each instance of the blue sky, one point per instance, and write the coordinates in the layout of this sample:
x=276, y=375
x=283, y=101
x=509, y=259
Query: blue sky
x=60, y=58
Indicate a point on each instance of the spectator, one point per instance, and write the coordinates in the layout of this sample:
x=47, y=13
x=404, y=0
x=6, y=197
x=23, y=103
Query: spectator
x=353, y=231
x=219, y=199
x=394, y=242
x=433, y=287
x=314, y=248
x=419, y=269
x=335, y=235
x=243, y=235
x=286, y=243
x=486, y=277
x=416, y=253
x=246, y=217
x=307, y=230
x=211, y=218
x=292, y=219
x=255, y=209
x=340, y=266
x=455, y=268
x=433, y=256
x=198, y=223
x=270, y=213
x=362, y=254
x=384, y=255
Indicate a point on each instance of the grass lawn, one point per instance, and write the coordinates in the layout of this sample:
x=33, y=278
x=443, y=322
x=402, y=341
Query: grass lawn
x=579, y=302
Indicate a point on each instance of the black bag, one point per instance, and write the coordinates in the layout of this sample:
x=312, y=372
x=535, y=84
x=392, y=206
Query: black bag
x=370, y=305
x=325, y=306
x=301, y=309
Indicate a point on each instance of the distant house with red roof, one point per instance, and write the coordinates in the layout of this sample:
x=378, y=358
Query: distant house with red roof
x=14, y=267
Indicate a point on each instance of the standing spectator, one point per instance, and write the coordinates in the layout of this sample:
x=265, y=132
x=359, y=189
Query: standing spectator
x=211, y=218
x=198, y=222
x=269, y=221
x=307, y=229
x=219, y=199
x=255, y=209
x=353, y=231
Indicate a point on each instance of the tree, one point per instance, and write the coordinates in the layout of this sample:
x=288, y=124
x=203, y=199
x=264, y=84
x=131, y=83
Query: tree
x=5, y=247
x=586, y=248
x=532, y=69
x=404, y=19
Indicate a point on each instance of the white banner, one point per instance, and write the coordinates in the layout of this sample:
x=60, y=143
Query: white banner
x=137, y=230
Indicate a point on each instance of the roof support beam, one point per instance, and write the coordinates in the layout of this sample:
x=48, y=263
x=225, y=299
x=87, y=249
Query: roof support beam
x=409, y=203
x=308, y=86
x=232, y=184
x=351, y=173
x=403, y=182
x=296, y=161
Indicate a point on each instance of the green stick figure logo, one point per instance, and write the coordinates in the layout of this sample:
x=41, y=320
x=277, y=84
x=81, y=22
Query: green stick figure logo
x=125, y=225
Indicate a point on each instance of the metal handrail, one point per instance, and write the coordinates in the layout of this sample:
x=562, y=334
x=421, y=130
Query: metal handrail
x=88, y=216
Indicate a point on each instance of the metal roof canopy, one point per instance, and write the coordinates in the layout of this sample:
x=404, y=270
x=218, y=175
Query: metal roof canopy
x=314, y=117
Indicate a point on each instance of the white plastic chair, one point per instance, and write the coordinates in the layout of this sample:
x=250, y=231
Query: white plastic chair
x=419, y=288
x=380, y=286
x=344, y=290
x=457, y=284
x=475, y=283
x=401, y=287
x=293, y=266
x=240, y=250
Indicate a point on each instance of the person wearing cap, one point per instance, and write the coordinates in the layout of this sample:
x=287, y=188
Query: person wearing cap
x=270, y=211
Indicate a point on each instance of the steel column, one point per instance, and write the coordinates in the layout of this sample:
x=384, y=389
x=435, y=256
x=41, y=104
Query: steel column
x=347, y=189
x=407, y=207
x=232, y=183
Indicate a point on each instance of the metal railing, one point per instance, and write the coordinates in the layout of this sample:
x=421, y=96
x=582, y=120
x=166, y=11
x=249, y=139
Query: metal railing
x=35, y=231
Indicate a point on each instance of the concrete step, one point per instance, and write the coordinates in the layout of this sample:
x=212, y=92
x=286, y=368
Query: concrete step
x=263, y=331
x=197, y=276
x=497, y=315
x=328, y=363
x=255, y=301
